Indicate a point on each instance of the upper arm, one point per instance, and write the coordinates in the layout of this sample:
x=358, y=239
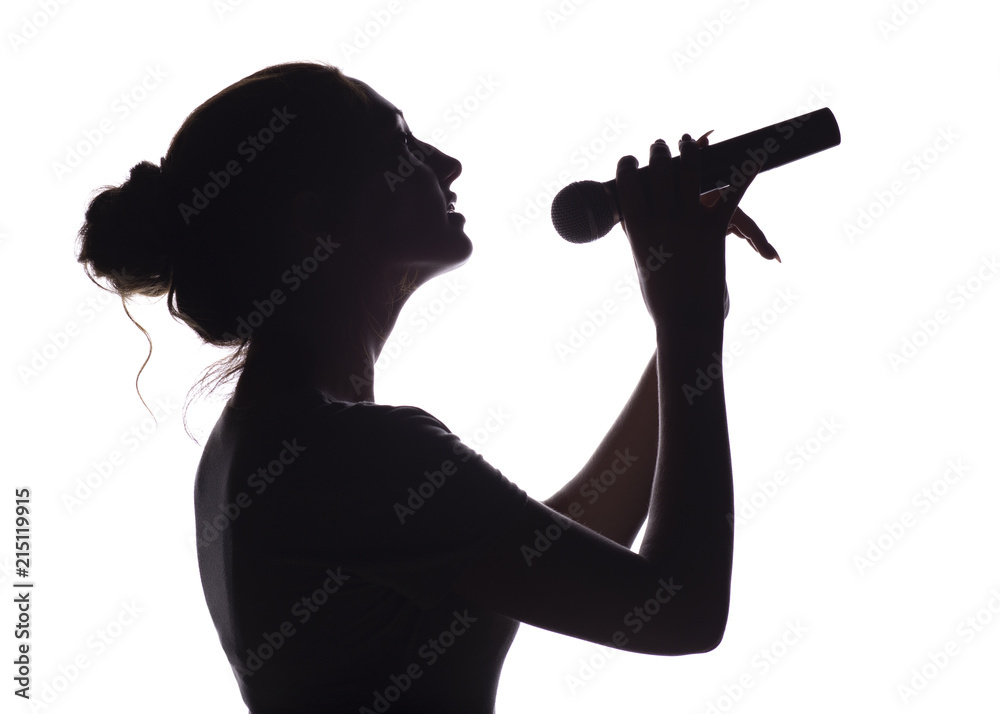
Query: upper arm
x=418, y=511
x=551, y=572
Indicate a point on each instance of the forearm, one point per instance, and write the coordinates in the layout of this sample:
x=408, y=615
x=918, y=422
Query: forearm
x=610, y=494
x=691, y=504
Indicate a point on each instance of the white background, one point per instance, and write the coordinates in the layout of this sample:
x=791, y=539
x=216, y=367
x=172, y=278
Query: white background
x=913, y=87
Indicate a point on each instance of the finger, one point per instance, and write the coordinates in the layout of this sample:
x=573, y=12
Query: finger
x=660, y=171
x=658, y=148
x=745, y=225
x=735, y=230
x=748, y=229
x=689, y=181
x=630, y=195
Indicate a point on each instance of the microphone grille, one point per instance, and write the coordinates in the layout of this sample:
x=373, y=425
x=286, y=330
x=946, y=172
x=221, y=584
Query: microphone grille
x=582, y=212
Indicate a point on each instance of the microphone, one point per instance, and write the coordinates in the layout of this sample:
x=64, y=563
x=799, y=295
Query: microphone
x=586, y=210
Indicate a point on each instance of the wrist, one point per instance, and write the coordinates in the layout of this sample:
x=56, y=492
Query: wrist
x=690, y=334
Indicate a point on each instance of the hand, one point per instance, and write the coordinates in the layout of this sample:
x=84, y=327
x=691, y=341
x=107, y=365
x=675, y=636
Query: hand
x=678, y=242
x=742, y=225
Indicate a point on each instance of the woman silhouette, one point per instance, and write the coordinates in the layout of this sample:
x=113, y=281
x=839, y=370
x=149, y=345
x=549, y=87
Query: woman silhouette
x=356, y=556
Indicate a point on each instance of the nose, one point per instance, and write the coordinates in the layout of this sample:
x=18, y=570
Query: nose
x=448, y=168
x=456, y=169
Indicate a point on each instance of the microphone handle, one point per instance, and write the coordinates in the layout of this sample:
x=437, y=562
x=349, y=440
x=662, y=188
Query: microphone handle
x=728, y=162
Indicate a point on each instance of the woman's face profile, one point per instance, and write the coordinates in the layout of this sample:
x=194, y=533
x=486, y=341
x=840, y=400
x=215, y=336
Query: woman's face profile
x=402, y=216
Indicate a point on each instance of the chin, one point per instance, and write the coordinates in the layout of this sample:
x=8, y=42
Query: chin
x=435, y=252
x=456, y=257
x=455, y=247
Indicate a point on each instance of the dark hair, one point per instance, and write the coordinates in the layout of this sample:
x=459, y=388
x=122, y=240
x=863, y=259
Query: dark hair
x=204, y=226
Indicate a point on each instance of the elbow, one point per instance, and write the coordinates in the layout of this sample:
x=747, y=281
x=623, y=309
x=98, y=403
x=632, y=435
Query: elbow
x=713, y=621
x=709, y=643
x=700, y=643
x=694, y=643
x=697, y=621
x=706, y=638
x=711, y=636
x=716, y=627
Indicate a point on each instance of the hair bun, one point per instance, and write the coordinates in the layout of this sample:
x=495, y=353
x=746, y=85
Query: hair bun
x=128, y=234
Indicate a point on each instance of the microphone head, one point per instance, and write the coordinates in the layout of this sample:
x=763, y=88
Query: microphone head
x=582, y=212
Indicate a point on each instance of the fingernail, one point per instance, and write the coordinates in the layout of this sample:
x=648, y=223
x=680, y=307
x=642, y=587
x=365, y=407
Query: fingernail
x=659, y=141
x=705, y=135
x=686, y=137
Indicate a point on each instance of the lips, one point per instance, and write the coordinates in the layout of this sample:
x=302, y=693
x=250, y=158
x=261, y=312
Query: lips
x=451, y=198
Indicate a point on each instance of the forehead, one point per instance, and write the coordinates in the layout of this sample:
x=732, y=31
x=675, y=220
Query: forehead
x=382, y=106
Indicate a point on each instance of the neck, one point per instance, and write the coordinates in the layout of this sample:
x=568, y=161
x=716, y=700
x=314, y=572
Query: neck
x=335, y=354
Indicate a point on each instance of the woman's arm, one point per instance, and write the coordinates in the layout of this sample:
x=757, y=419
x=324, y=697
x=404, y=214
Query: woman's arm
x=610, y=494
x=628, y=450
x=673, y=596
x=696, y=506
